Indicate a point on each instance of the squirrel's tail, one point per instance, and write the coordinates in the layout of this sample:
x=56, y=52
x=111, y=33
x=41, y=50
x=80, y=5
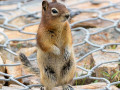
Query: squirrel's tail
x=24, y=60
x=27, y=65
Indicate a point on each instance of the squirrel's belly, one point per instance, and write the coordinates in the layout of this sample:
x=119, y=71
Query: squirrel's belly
x=56, y=67
x=51, y=60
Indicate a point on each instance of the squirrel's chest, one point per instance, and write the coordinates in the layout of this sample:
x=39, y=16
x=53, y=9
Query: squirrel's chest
x=56, y=37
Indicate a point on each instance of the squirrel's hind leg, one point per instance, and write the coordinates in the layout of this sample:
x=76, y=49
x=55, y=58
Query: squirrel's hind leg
x=49, y=88
x=42, y=87
x=67, y=87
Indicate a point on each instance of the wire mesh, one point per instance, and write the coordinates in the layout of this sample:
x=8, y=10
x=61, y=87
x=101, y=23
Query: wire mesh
x=20, y=6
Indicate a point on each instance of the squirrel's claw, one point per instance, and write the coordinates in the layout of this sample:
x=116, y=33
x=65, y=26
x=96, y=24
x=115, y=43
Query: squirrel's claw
x=68, y=87
x=42, y=88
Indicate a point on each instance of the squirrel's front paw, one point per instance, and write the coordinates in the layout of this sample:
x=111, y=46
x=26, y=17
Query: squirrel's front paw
x=67, y=53
x=56, y=50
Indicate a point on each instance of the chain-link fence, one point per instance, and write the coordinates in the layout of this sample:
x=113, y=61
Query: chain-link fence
x=35, y=15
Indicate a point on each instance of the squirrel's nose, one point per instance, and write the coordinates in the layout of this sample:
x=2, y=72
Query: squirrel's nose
x=67, y=16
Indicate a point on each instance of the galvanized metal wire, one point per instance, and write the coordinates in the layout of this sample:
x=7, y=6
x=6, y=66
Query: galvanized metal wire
x=11, y=27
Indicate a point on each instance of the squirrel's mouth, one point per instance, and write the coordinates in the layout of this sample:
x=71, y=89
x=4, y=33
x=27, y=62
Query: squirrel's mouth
x=65, y=19
x=67, y=16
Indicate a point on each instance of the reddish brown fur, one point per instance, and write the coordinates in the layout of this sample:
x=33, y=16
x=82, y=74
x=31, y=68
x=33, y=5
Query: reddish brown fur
x=54, y=0
x=54, y=31
x=49, y=22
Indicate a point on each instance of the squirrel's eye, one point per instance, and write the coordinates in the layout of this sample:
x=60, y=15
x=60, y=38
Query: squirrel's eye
x=54, y=11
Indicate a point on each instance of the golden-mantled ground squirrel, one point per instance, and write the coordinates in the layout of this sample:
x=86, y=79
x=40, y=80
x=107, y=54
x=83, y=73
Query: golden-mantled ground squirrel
x=55, y=54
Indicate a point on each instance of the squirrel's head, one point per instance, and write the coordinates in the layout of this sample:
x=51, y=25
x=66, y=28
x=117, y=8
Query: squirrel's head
x=54, y=11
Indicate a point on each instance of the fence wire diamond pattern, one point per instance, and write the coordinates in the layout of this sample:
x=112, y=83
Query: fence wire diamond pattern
x=20, y=6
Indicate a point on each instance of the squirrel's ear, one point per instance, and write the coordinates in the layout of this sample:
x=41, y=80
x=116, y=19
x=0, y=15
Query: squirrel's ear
x=45, y=5
x=54, y=0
